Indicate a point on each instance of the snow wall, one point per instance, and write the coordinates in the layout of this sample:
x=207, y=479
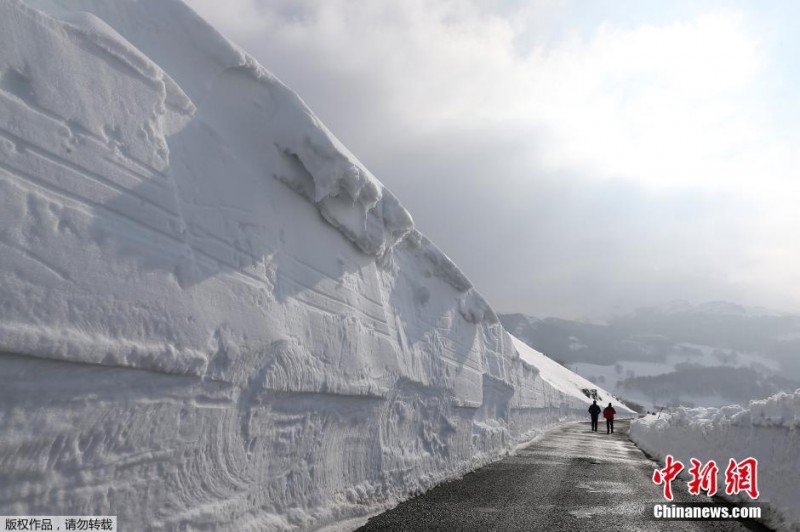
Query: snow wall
x=212, y=316
x=767, y=430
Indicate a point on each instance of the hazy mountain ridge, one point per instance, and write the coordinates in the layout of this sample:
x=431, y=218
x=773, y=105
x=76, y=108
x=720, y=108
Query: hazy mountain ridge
x=714, y=352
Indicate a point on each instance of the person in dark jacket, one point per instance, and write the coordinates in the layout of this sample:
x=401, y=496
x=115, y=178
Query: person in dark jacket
x=608, y=413
x=594, y=411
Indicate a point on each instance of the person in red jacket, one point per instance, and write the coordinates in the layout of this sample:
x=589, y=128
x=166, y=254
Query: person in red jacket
x=608, y=413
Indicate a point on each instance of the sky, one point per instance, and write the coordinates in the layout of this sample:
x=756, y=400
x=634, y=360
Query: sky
x=575, y=158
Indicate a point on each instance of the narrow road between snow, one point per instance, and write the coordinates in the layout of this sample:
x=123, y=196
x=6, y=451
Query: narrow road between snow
x=570, y=479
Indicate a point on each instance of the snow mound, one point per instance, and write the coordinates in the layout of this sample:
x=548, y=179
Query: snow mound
x=212, y=316
x=767, y=430
x=563, y=379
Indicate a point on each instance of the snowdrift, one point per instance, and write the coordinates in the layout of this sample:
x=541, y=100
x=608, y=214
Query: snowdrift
x=766, y=430
x=212, y=316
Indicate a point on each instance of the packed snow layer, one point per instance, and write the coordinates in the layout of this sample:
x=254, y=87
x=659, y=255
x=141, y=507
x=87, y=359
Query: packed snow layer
x=767, y=430
x=212, y=316
x=563, y=379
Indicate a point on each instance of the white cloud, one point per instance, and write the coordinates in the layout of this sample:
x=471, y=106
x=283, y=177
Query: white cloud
x=656, y=104
x=667, y=105
x=492, y=101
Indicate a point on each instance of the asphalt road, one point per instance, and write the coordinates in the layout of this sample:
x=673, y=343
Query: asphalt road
x=570, y=479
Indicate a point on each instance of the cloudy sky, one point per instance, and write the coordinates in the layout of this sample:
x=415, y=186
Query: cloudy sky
x=575, y=158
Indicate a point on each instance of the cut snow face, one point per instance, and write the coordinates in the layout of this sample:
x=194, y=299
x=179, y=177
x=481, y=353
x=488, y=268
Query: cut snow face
x=564, y=379
x=213, y=316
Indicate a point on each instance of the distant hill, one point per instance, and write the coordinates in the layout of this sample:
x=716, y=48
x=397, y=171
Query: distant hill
x=711, y=353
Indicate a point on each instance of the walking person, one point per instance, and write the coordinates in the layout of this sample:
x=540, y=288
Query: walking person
x=608, y=413
x=594, y=411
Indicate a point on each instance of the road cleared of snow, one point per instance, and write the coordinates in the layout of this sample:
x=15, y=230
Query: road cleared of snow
x=570, y=479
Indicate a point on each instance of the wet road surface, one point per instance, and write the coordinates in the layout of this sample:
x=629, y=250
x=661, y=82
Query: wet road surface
x=570, y=479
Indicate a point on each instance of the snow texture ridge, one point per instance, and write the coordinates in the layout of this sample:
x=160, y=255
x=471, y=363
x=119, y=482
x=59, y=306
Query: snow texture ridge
x=767, y=430
x=212, y=316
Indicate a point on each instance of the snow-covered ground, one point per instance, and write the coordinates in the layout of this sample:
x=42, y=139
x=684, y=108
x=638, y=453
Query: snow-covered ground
x=563, y=379
x=766, y=430
x=212, y=316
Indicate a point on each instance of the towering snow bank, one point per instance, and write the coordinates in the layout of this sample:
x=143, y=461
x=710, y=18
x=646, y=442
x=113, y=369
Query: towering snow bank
x=563, y=379
x=766, y=430
x=211, y=314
